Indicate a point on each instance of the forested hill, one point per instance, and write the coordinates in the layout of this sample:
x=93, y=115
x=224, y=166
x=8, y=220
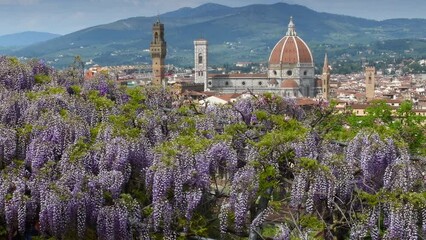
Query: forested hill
x=25, y=38
x=247, y=33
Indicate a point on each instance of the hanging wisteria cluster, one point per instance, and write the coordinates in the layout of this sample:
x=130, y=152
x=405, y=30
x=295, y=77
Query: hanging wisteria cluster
x=90, y=159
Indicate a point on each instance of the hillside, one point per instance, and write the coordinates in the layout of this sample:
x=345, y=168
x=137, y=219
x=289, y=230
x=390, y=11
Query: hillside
x=242, y=33
x=25, y=39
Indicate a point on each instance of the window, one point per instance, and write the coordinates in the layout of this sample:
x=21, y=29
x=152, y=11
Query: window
x=369, y=79
x=260, y=83
x=156, y=37
x=200, y=58
x=226, y=83
x=289, y=72
x=210, y=83
x=305, y=73
x=243, y=83
x=275, y=72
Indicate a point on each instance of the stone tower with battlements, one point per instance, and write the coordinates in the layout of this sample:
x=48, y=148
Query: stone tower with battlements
x=158, y=53
x=370, y=81
x=326, y=79
x=200, y=62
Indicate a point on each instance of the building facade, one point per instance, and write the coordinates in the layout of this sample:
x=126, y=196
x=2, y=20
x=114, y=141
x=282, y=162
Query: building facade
x=326, y=79
x=290, y=71
x=370, y=81
x=158, y=49
x=200, y=60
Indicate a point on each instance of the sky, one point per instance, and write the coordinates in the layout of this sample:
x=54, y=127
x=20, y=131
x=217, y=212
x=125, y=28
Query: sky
x=66, y=16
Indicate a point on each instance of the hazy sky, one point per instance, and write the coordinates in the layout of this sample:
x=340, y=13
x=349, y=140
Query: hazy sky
x=65, y=16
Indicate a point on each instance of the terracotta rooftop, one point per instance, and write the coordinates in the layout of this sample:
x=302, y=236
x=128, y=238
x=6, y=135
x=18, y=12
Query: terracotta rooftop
x=289, y=83
x=290, y=50
x=305, y=102
x=228, y=97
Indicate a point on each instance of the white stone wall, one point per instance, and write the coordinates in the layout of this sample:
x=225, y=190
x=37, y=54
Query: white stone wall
x=238, y=85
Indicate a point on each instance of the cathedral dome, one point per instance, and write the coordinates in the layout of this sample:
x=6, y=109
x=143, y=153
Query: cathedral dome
x=291, y=49
x=289, y=84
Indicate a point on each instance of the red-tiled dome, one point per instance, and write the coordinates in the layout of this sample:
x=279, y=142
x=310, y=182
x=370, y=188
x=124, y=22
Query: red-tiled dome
x=289, y=83
x=291, y=49
x=273, y=81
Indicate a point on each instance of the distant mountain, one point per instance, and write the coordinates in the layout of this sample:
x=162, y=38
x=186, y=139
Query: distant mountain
x=25, y=38
x=242, y=33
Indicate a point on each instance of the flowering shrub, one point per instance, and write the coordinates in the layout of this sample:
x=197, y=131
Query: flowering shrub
x=87, y=160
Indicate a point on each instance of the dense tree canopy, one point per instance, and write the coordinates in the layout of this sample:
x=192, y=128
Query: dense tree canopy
x=96, y=160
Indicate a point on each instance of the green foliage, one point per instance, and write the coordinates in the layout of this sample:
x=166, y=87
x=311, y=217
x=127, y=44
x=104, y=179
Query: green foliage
x=64, y=113
x=101, y=102
x=193, y=143
x=49, y=91
x=14, y=61
x=55, y=90
x=270, y=231
x=135, y=103
x=268, y=179
x=79, y=150
x=261, y=115
x=400, y=124
x=285, y=132
x=378, y=110
x=313, y=223
x=42, y=79
x=76, y=89
x=95, y=131
x=3, y=231
x=198, y=225
x=370, y=199
x=418, y=199
x=25, y=131
x=123, y=126
x=410, y=128
x=312, y=165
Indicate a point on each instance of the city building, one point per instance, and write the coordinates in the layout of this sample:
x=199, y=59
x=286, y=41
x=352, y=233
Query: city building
x=200, y=60
x=370, y=81
x=158, y=51
x=326, y=79
x=290, y=70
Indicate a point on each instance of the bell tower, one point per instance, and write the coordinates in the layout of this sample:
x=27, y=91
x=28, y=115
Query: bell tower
x=200, y=61
x=326, y=79
x=370, y=81
x=158, y=53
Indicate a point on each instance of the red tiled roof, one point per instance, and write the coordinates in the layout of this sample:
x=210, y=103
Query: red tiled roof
x=290, y=50
x=289, y=83
x=228, y=97
x=305, y=102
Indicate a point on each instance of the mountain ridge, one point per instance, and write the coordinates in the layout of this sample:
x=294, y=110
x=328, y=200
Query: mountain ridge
x=25, y=38
x=247, y=33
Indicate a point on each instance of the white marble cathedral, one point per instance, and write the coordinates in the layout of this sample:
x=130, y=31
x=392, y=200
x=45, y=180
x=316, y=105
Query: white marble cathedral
x=290, y=71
